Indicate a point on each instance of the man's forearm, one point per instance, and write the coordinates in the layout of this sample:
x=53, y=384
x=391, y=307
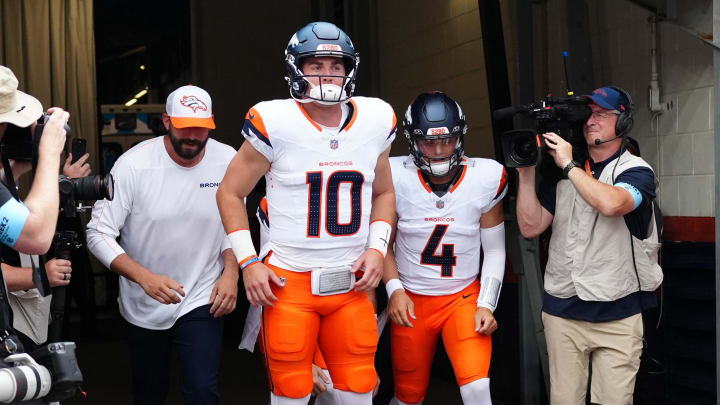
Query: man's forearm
x=17, y=278
x=125, y=266
x=232, y=210
x=390, y=269
x=43, y=201
x=528, y=207
x=383, y=205
x=231, y=264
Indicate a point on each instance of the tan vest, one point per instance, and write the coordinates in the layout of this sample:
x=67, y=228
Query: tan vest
x=590, y=254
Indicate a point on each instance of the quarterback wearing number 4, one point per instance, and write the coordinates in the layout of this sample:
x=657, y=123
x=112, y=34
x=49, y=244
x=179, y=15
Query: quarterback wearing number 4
x=329, y=189
x=448, y=205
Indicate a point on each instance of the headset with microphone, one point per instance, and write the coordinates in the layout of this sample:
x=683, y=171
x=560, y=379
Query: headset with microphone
x=625, y=120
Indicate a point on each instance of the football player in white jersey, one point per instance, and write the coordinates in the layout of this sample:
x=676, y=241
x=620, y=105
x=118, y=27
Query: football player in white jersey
x=448, y=205
x=329, y=190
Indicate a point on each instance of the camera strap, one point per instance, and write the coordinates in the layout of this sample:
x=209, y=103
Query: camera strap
x=9, y=178
x=5, y=316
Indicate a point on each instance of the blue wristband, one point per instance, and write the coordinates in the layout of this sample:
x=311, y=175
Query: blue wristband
x=13, y=215
x=248, y=263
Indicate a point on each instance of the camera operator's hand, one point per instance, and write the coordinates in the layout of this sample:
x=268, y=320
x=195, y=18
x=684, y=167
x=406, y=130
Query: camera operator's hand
x=58, y=272
x=77, y=169
x=52, y=142
x=560, y=149
x=43, y=199
x=161, y=288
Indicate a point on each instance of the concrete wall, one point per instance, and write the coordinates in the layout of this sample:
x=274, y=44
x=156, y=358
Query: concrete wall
x=679, y=143
x=238, y=55
x=429, y=45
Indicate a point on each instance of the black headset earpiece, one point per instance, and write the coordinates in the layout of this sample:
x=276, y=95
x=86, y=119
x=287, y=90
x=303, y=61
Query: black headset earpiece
x=625, y=120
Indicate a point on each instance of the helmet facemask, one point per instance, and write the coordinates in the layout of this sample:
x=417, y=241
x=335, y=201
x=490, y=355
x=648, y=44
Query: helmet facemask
x=323, y=93
x=436, y=166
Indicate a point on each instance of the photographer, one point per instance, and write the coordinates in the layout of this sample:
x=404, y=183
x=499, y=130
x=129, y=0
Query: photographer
x=29, y=227
x=31, y=311
x=602, y=267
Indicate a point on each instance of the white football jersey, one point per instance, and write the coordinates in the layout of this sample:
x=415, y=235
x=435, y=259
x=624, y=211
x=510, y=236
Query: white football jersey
x=437, y=245
x=319, y=186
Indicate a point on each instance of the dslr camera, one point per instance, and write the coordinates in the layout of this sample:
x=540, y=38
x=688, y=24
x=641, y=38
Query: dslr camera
x=50, y=372
x=564, y=116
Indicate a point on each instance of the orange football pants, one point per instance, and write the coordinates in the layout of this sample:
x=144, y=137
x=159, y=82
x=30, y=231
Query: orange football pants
x=413, y=349
x=343, y=325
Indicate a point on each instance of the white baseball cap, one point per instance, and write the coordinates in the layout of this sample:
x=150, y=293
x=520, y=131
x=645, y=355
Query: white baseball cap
x=190, y=106
x=16, y=107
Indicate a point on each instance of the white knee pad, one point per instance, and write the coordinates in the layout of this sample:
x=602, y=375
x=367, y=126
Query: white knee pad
x=353, y=398
x=476, y=392
x=277, y=400
x=396, y=401
x=328, y=397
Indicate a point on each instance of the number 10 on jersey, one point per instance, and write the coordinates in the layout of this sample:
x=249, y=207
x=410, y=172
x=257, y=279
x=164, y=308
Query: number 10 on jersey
x=333, y=226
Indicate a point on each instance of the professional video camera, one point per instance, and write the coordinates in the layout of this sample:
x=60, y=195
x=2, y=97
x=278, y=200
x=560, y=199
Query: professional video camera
x=564, y=116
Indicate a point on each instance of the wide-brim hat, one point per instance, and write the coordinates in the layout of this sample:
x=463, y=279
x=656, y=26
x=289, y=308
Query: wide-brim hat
x=16, y=107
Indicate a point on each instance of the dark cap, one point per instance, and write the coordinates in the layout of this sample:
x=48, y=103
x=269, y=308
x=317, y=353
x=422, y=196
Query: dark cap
x=610, y=99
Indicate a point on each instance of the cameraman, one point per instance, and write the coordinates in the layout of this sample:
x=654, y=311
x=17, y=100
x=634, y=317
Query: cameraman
x=602, y=267
x=29, y=227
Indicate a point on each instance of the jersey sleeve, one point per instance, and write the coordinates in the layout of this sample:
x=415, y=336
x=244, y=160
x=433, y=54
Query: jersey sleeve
x=13, y=215
x=255, y=132
x=108, y=217
x=501, y=189
x=390, y=136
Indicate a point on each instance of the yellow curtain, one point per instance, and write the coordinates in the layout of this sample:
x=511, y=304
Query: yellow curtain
x=50, y=46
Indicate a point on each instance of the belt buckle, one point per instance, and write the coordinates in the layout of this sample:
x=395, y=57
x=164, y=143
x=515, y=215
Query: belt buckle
x=332, y=280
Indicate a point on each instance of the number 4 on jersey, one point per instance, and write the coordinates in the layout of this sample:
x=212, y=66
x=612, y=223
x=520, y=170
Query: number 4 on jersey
x=447, y=260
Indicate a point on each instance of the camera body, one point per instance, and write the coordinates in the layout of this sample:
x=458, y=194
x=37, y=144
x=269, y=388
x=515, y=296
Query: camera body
x=564, y=116
x=21, y=143
x=50, y=372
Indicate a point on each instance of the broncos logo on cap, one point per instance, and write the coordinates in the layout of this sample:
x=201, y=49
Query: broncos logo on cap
x=601, y=92
x=193, y=102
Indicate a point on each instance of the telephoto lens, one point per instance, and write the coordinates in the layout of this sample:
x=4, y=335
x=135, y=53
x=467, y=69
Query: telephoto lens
x=93, y=187
x=25, y=381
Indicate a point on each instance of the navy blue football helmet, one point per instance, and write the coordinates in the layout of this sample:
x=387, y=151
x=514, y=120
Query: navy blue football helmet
x=320, y=39
x=434, y=116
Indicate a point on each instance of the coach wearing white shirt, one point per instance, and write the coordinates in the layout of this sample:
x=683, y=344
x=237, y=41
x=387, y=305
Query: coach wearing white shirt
x=179, y=276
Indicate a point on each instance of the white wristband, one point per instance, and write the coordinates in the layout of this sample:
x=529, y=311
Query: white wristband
x=379, y=236
x=392, y=286
x=242, y=245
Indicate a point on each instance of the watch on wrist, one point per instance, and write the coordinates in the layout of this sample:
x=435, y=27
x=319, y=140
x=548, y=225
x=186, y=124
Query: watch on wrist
x=566, y=170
